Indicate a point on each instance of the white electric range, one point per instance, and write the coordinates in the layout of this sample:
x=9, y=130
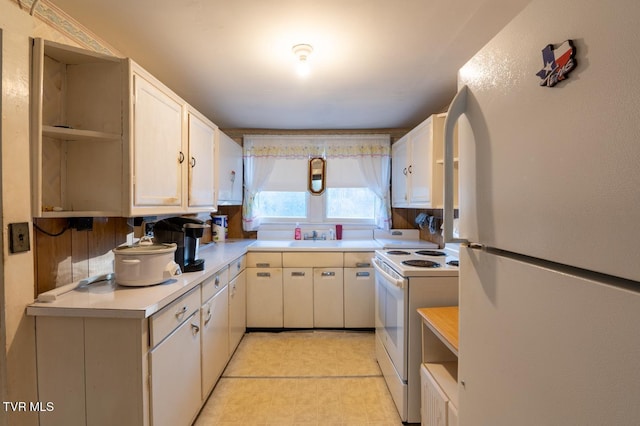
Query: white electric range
x=405, y=281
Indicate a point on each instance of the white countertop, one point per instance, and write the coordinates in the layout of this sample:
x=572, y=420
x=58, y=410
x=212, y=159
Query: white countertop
x=115, y=301
x=110, y=300
x=317, y=245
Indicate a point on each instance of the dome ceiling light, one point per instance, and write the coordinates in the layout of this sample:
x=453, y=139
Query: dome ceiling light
x=302, y=52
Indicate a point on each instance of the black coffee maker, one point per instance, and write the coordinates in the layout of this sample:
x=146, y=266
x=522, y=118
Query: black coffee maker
x=186, y=233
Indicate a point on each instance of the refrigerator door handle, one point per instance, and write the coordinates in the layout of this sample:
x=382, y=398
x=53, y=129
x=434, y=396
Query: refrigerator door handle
x=456, y=109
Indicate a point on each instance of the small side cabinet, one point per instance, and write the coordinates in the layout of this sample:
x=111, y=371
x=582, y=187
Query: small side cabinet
x=439, y=370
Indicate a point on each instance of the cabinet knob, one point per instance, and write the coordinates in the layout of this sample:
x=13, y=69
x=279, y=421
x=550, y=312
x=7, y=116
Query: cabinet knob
x=195, y=329
x=180, y=157
x=404, y=171
x=193, y=162
x=410, y=169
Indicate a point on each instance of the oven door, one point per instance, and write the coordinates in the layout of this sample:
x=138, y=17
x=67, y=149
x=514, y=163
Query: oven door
x=391, y=315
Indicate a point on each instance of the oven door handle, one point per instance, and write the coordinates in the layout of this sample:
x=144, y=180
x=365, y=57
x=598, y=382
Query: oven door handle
x=397, y=282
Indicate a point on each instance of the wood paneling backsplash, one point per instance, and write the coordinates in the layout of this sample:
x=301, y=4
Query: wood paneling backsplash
x=74, y=255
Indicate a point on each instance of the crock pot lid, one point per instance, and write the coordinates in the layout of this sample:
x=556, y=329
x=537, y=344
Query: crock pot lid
x=147, y=249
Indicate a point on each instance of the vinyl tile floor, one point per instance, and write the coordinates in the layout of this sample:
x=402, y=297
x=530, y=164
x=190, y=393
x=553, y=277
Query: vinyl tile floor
x=314, y=377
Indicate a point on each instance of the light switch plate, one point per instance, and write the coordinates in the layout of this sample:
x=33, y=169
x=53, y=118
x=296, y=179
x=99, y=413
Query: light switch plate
x=18, y=237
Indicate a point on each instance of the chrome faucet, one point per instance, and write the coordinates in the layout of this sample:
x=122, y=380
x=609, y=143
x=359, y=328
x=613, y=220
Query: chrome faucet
x=314, y=236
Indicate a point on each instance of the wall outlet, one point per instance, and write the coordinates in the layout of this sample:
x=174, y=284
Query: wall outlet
x=18, y=237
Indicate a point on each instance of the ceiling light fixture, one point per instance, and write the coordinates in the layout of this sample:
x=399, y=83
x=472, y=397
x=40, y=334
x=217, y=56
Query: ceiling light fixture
x=302, y=52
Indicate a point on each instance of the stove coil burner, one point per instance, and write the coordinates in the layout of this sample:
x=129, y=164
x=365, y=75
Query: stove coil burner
x=420, y=263
x=398, y=252
x=431, y=253
x=453, y=263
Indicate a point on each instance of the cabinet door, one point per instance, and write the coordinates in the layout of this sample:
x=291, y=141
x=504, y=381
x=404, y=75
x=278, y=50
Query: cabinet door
x=420, y=175
x=434, y=401
x=359, y=298
x=215, y=339
x=175, y=376
x=230, y=171
x=399, y=172
x=328, y=297
x=297, y=286
x=237, y=309
x=202, y=137
x=264, y=297
x=158, y=153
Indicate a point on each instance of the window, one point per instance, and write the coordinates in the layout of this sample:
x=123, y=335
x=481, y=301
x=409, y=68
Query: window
x=276, y=180
x=281, y=204
x=350, y=203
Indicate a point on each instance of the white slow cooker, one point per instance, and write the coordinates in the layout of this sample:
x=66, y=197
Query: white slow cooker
x=145, y=264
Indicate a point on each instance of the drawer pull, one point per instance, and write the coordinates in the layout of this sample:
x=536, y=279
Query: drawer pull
x=329, y=274
x=206, y=321
x=216, y=282
x=363, y=265
x=195, y=329
x=263, y=265
x=362, y=274
x=297, y=274
x=264, y=274
x=238, y=266
x=181, y=312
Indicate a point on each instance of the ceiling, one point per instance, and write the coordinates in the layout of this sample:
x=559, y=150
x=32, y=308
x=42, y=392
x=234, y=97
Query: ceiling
x=375, y=63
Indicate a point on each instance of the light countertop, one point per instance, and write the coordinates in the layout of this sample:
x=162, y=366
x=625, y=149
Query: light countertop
x=108, y=299
x=317, y=245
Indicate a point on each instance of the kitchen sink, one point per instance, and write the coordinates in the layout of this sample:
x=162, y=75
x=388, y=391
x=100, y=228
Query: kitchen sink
x=315, y=243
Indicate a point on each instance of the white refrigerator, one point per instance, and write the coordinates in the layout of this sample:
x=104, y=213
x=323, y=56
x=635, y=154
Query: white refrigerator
x=549, y=218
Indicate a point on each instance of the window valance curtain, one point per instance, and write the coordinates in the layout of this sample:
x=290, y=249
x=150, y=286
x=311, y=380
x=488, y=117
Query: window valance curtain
x=373, y=154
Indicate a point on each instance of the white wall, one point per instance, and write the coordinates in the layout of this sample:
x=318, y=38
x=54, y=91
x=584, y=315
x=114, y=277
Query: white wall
x=17, y=331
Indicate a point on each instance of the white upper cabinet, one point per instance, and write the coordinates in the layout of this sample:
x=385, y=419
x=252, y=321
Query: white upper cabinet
x=109, y=139
x=418, y=167
x=202, y=162
x=230, y=176
x=400, y=172
x=157, y=146
x=76, y=132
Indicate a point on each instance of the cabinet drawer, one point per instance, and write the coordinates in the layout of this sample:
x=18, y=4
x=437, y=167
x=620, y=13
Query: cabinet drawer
x=237, y=266
x=312, y=259
x=358, y=259
x=264, y=260
x=172, y=315
x=212, y=285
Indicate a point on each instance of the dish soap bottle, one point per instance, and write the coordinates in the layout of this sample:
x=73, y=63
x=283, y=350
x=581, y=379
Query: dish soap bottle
x=298, y=233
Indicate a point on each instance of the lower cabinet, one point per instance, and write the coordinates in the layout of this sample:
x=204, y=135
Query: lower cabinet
x=140, y=371
x=310, y=290
x=359, y=298
x=328, y=298
x=297, y=288
x=215, y=337
x=264, y=298
x=175, y=375
x=237, y=309
x=436, y=408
